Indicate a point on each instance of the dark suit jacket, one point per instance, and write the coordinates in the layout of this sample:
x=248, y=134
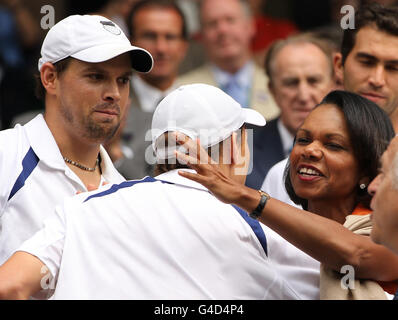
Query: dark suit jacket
x=266, y=151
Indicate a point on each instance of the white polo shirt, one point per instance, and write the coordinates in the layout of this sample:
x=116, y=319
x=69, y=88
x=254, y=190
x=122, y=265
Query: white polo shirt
x=167, y=238
x=34, y=179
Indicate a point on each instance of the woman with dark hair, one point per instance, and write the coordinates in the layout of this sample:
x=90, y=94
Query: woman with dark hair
x=335, y=156
x=369, y=132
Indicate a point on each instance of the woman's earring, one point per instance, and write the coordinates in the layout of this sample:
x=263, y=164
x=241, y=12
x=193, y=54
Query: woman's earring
x=362, y=186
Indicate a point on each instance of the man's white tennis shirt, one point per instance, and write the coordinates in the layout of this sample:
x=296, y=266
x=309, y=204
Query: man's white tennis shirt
x=34, y=179
x=163, y=238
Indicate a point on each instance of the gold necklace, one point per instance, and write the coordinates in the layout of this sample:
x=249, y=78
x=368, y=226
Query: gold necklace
x=80, y=166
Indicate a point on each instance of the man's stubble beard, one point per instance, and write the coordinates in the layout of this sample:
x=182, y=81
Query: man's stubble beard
x=88, y=128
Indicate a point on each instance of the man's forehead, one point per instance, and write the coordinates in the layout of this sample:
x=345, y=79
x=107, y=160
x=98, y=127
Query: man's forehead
x=305, y=52
x=371, y=40
x=230, y=7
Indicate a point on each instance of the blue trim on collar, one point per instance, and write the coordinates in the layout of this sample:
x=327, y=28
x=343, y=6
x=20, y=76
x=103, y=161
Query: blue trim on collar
x=119, y=186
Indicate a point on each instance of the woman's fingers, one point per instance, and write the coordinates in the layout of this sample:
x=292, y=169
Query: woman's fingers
x=192, y=176
x=186, y=159
x=194, y=149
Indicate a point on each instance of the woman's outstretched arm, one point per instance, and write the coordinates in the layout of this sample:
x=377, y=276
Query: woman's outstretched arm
x=324, y=239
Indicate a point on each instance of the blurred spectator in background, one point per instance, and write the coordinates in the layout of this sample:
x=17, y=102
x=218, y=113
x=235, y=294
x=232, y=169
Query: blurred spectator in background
x=196, y=55
x=227, y=30
x=20, y=44
x=300, y=72
x=158, y=26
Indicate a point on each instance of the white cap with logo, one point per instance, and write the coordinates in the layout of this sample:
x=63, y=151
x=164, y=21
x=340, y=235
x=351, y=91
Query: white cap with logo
x=199, y=111
x=91, y=38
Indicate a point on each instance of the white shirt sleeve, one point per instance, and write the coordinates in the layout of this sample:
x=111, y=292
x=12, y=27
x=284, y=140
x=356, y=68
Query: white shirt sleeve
x=48, y=243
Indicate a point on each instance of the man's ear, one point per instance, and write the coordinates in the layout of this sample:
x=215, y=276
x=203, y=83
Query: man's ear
x=48, y=76
x=338, y=67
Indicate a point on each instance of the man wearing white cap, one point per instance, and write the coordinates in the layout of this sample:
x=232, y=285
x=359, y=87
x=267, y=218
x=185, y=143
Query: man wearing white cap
x=84, y=70
x=163, y=238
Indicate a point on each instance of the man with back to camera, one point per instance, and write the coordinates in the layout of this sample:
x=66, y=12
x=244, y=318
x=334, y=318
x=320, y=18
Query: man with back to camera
x=85, y=67
x=163, y=238
x=368, y=66
x=158, y=26
x=226, y=32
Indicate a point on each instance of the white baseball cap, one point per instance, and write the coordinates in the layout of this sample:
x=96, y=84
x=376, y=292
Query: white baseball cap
x=91, y=38
x=199, y=111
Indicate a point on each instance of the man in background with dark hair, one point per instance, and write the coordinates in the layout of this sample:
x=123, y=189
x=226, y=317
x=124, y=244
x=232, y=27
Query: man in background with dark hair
x=85, y=87
x=368, y=62
x=158, y=26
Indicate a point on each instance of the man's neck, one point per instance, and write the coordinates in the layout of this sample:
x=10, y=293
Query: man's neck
x=71, y=145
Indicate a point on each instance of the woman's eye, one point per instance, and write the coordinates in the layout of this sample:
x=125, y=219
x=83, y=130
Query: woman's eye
x=334, y=146
x=302, y=140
